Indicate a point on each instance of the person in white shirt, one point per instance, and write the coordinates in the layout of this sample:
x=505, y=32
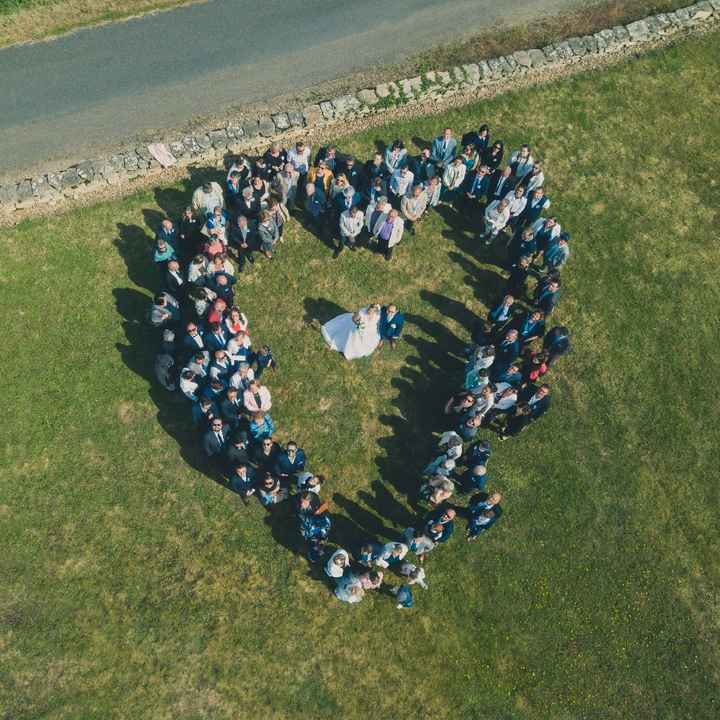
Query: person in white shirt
x=433, y=189
x=521, y=162
x=242, y=377
x=453, y=178
x=413, y=207
x=497, y=215
x=535, y=180
x=337, y=563
x=299, y=158
x=391, y=553
x=188, y=384
x=516, y=201
x=400, y=185
x=351, y=225
x=414, y=574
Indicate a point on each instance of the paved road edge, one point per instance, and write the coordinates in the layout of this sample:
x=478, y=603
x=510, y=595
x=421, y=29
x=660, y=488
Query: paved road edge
x=136, y=166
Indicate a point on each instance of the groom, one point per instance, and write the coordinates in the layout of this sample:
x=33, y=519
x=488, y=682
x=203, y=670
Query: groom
x=390, y=325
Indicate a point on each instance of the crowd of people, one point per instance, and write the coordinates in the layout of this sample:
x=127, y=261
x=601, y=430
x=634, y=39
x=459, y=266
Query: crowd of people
x=207, y=354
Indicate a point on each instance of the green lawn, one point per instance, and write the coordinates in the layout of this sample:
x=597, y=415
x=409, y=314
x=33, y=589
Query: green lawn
x=135, y=587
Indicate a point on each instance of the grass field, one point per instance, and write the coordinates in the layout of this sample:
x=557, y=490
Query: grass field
x=133, y=586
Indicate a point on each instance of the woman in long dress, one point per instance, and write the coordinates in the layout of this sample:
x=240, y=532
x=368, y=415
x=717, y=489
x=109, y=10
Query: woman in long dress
x=355, y=335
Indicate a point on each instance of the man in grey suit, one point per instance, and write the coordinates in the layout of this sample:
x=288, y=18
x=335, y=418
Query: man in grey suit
x=443, y=148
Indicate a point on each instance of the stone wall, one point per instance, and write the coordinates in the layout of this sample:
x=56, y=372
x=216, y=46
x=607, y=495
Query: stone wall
x=247, y=134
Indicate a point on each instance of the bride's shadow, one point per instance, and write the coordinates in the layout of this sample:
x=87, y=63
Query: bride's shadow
x=321, y=310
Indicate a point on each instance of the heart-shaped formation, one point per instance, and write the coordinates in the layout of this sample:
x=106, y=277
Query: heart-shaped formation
x=215, y=366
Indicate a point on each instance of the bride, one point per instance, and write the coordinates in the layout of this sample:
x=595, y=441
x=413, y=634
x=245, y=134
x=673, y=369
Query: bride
x=355, y=335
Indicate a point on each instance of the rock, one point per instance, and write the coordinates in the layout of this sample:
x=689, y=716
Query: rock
x=523, y=58
x=312, y=115
x=177, y=149
x=495, y=68
x=367, y=97
x=512, y=64
x=218, y=138
x=505, y=68
x=621, y=34
x=382, y=90
x=663, y=22
x=609, y=37
x=250, y=128
x=577, y=46
x=55, y=180
x=715, y=5
x=590, y=44
x=70, y=178
x=117, y=161
x=191, y=144
x=345, y=104
x=203, y=141
x=234, y=130
x=24, y=190
x=86, y=171
x=638, y=31
x=551, y=53
x=282, y=121
x=444, y=77
x=327, y=109
x=457, y=74
x=431, y=76
x=601, y=43
x=653, y=26
x=564, y=50
x=700, y=11
x=406, y=88
x=143, y=153
x=8, y=195
x=484, y=68
x=107, y=172
x=296, y=118
x=472, y=72
x=266, y=126
x=537, y=57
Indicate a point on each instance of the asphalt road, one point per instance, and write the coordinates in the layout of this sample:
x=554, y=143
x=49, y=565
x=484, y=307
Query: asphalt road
x=71, y=97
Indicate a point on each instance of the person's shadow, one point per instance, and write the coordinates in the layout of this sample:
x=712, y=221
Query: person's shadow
x=320, y=310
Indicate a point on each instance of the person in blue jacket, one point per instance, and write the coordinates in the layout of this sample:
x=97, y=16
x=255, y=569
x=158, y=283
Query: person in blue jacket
x=391, y=325
x=485, y=511
x=290, y=461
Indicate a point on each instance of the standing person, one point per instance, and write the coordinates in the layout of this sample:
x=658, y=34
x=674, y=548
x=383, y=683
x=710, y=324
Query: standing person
x=268, y=234
x=257, y=398
x=216, y=439
x=206, y=198
x=497, y=215
x=243, y=239
x=261, y=426
x=373, y=213
x=415, y=575
x=423, y=167
x=443, y=149
x=315, y=204
x=403, y=595
x=349, y=589
x=501, y=183
x=279, y=215
x=242, y=481
x=285, y=184
x=453, y=178
x=290, y=461
x=351, y=225
x=338, y=564
x=391, y=325
x=299, y=158
x=521, y=162
x=275, y=159
x=557, y=343
x=395, y=157
x=270, y=491
x=485, y=511
x=413, y=207
x=188, y=235
x=401, y=183
x=492, y=157
x=547, y=294
x=537, y=204
x=389, y=232
x=480, y=138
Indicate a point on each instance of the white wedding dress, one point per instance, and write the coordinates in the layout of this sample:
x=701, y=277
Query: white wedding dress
x=342, y=334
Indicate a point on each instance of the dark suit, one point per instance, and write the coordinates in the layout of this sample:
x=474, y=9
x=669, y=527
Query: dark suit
x=231, y=411
x=174, y=285
x=533, y=211
x=498, y=192
x=192, y=344
x=213, y=445
x=214, y=342
x=390, y=329
x=539, y=408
